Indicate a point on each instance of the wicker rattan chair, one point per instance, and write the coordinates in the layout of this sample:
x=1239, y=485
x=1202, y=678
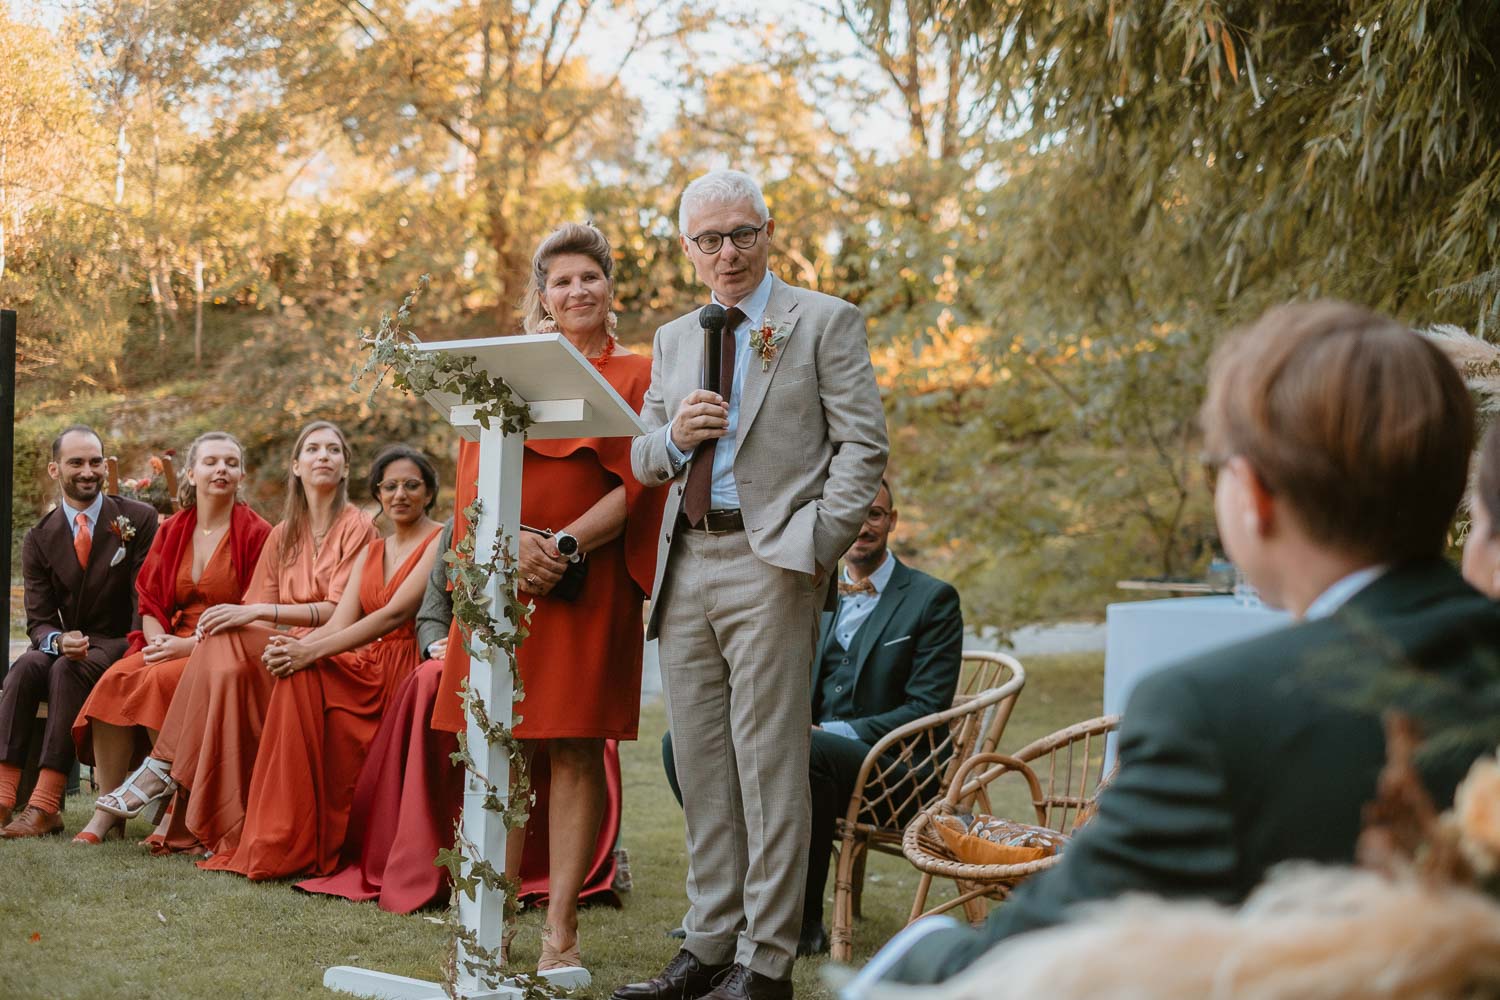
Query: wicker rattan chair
x=913, y=766
x=1064, y=772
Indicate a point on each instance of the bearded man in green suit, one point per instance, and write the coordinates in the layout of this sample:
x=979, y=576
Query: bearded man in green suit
x=890, y=653
x=1340, y=441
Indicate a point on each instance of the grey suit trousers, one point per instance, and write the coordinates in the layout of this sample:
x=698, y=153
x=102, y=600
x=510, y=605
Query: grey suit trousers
x=737, y=639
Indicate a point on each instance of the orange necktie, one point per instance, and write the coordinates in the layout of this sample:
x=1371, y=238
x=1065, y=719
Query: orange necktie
x=83, y=540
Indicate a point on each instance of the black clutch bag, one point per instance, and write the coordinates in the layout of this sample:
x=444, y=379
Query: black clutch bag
x=571, y=584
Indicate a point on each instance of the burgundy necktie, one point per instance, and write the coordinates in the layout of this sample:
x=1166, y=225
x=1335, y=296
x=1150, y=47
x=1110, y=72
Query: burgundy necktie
x=83, y=540
x=695, y=498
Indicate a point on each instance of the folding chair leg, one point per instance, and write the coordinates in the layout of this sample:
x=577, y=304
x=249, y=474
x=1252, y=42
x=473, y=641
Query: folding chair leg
x=841, y=944
x=861, y=855
x=975, y=910
x=919, y=902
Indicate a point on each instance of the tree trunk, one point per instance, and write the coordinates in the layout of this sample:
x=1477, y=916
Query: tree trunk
x=198, y=310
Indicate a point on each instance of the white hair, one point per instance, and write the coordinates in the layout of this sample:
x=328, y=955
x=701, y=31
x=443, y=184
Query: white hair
x=721, y=187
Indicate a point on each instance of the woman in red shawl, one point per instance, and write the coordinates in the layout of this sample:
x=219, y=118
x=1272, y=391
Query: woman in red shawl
x=581, y=662
x=333, y=685
x=201, y=556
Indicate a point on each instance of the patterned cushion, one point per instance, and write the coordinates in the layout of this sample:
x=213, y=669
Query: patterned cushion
x=989, y=840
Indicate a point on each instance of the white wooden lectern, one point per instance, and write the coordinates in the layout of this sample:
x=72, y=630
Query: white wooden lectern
x=568, y=398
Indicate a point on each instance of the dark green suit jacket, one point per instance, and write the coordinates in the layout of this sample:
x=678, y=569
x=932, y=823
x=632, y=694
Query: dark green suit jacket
x=907, y=654
x=1266, y=751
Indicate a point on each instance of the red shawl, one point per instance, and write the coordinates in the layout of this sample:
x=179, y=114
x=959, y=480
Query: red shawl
x=156, y=585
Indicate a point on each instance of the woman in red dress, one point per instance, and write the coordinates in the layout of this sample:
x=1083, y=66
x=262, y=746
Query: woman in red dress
x=203, y=555
x=333, y=685
x=581, y=662
x=212, y=730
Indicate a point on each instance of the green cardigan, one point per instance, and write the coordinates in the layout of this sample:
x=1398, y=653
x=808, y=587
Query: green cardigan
x=1266, y=751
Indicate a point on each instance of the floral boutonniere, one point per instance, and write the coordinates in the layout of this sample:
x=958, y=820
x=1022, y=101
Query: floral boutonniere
x=122, y=529
x=765, y=342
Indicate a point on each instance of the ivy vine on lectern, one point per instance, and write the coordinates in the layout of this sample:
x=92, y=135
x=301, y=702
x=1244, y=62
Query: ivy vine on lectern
x=395, y=351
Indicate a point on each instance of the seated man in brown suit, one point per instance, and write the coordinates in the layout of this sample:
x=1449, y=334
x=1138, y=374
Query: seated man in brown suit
x=79, y=564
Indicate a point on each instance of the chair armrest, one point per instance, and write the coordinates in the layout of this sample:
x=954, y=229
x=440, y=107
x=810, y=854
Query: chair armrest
x=999, y=764
x=979, y=703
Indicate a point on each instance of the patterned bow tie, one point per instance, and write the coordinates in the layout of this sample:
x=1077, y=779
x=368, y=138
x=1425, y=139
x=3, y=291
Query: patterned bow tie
x=862, y=587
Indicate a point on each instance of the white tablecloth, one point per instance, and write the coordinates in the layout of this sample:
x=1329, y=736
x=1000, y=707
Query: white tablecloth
x=1143, y=636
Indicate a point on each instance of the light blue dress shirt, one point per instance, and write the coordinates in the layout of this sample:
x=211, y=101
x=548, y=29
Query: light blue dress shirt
x=724, y=492
x=92, y=512
x=854, y=611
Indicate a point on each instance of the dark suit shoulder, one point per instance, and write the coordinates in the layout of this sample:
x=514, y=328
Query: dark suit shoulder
x=926, y=590
x=134, y=509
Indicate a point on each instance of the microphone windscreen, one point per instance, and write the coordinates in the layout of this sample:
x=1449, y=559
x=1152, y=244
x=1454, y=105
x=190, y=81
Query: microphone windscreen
x=711, y=317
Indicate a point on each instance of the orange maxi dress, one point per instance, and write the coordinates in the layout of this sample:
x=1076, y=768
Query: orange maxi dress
x=581, y=661
x=133, y=692
x=318, y=728
x=213, y=729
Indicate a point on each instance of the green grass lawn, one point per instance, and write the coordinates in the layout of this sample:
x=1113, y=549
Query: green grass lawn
x=113, y=921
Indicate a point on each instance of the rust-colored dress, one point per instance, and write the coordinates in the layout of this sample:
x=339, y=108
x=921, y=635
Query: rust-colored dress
x=213, y=728
x=318, y=727
x=581, y=662
x=133, y=692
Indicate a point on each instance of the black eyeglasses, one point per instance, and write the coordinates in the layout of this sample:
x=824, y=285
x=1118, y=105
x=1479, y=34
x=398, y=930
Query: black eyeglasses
x=744, y=237
x=390, y=486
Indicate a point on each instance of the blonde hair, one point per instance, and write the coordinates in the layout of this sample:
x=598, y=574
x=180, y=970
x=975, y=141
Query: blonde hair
x=568, y=238
x=295, y=515
x=187, y=493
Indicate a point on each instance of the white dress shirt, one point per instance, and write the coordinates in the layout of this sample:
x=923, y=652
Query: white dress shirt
x=724, y=492
x=1341, y=591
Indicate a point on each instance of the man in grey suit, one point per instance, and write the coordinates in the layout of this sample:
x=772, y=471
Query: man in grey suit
x=771, y=485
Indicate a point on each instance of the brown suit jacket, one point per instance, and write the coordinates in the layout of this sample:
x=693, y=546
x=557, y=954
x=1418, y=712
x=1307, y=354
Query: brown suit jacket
x=98, y=601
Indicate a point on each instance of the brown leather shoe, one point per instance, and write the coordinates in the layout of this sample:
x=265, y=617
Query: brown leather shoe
x=740, y=983
x=32, y=822
x=684, y=978
x=5, y=812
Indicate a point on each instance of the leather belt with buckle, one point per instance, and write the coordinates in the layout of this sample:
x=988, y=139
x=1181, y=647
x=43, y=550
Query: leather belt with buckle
x=718, y=522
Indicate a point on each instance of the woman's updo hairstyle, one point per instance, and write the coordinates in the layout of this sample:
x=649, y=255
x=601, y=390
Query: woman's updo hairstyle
x=568, y=238
x=187, y=493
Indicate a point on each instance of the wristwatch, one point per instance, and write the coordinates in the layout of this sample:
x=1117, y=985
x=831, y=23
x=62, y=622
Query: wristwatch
x=567, y=545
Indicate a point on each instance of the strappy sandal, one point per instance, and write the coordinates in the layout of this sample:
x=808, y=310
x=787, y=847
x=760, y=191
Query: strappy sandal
x=114, y=802
x=115, y=832
x=561, y=966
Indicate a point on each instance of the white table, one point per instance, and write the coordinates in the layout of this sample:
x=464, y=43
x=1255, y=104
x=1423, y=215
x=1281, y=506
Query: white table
x=1145, y=636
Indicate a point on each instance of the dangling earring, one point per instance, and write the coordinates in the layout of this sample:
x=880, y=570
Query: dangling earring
x=547, y=325
x=611, y=321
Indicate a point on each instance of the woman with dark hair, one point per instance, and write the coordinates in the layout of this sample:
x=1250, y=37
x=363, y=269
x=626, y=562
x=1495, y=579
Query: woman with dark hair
x=1482, y=544
x=580, y=663
x=333, y=684
x=212, y=730
x=201, y=556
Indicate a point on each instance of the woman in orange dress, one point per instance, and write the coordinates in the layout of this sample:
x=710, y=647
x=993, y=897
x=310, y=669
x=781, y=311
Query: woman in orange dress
x=207, y=745
x=201, y=556
x=581, y=662
x=333, y=685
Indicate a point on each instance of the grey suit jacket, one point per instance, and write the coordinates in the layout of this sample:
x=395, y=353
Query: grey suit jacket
x=436, y=613
x=811, y=442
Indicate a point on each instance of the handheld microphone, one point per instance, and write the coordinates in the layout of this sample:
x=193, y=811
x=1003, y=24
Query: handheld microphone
x=711, y=317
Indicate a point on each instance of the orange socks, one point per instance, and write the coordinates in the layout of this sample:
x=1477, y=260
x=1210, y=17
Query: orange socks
x=10, y=778
x=48, y=793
